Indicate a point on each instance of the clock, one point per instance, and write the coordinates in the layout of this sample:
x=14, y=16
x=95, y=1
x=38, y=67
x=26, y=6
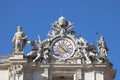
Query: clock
x=62, y=48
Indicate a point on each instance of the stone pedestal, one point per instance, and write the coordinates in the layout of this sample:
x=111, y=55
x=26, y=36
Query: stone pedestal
x=17, y=55
x=16, y=69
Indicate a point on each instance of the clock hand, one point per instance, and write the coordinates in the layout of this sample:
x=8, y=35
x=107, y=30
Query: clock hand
x=63, y=48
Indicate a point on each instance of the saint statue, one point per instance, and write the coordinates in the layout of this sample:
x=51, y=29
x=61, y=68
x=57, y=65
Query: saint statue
x=19, y=40
x=102, y=48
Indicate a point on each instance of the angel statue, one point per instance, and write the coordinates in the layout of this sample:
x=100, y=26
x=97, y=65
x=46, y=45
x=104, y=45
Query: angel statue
x=36, y=52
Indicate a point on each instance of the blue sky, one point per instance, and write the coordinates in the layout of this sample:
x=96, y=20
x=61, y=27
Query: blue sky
x=88, y=17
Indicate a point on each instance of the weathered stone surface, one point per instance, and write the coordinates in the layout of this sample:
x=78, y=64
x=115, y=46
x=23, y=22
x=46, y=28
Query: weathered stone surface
x=60, y=56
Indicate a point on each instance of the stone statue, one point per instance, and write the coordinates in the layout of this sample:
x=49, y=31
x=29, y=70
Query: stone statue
x=83, y=45
x=34, y=54
x=19, y=40
x=93, y=54
x=88, y=52
x=39, y=51
x=62, y=27
x=81, y=42
x=46, y=48
x=102, y=48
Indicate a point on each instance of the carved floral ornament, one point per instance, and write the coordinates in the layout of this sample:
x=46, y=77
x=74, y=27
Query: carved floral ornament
x=62, y=44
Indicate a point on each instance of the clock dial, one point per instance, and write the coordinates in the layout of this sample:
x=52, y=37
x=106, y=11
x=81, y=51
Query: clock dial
x=62, y=48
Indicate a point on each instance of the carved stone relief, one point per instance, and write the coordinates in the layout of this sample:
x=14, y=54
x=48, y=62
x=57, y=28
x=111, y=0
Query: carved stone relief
x=15, y=71
x=42, y=52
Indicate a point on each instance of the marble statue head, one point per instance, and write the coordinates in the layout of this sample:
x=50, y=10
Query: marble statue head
x=19, y=28
x=102, y=38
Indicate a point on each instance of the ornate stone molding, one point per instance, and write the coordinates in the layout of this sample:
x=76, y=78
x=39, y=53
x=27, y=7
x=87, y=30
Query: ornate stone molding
x=84, y=53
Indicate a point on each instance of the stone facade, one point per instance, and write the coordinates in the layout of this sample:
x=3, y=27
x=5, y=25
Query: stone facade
x=61, y=56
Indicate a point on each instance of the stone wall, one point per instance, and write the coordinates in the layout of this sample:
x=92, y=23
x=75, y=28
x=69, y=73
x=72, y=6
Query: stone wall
x=4, y=75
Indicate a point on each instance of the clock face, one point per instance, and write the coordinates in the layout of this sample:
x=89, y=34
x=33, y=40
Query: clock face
x=62, y=48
